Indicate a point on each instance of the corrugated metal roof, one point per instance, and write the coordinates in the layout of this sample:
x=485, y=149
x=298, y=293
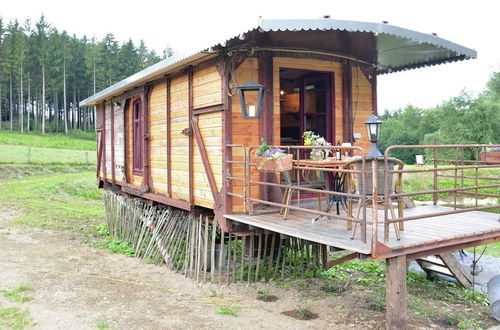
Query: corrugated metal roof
x=396, y=49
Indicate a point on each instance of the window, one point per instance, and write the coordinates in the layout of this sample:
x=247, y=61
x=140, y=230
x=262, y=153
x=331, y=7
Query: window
x=137, y=136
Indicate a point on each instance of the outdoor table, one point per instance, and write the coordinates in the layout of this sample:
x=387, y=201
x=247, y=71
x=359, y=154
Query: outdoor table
x=334, y=180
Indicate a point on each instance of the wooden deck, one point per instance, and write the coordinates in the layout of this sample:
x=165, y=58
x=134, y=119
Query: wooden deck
x=419, y=235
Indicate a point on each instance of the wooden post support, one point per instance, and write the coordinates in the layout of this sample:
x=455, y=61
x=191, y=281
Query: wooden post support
x=396, y=308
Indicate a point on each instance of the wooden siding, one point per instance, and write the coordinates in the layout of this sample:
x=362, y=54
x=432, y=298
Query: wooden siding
x=158, y=138
x=109, y=165
x=119, y=144
x=207, y=91
x=206, y=87
x=361, y=105
x=99, y=133
x=244, y=131
x=210, y=125
x=180, y=143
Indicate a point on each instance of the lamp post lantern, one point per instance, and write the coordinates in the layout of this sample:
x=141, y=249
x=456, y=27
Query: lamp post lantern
x=373, y=125
x=251, y=96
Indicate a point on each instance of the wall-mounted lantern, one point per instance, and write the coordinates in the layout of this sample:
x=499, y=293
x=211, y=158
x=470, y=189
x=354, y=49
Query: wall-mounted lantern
x=373, y=125
x=251, y=96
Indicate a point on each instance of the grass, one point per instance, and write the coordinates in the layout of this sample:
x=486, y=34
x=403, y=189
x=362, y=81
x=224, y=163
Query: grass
x=67, y=201
x=77, y=141
x=228, y=310
x=14, y=171
x=304, y=312
x=14, y=318
x=425, y=181
x=102, y=325
x=360, y=285
x=112, y=244
x=18, y=294
x=492, y=249
x=18, y=154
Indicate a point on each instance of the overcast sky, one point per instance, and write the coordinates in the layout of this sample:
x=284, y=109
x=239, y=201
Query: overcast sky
x=191, y=25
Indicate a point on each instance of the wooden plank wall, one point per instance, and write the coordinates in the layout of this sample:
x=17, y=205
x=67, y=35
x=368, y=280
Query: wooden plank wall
x=158, y=138
x=119, y=144
x=362, y=106
x=99, y=131
x=207, y=88
x=207, y=91
x=244, y=131
x=179, y=115
x=109, y=164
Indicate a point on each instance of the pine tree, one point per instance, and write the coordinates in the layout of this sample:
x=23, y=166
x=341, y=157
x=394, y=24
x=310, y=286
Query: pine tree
x=2, y=31
x=42, y=29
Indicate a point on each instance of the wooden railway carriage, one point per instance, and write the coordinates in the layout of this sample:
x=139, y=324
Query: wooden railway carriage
x=176, y=134
x=162, y=132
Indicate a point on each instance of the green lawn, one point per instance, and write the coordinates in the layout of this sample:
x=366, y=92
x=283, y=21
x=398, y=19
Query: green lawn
x=78, y=141
x=20, y=154
x=63, y=201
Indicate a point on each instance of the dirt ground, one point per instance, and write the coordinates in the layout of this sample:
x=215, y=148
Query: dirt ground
x=75, y=286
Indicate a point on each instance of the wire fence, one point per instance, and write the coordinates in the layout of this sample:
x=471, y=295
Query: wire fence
x=17, y=154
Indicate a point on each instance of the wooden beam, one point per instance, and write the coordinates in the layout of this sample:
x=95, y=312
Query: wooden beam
x=181, y=204
x=451, y=245
x=347, y=100
x=208, y=109
x=341, y=260
x=112, y=125
x=266, y=120
x=396, y=301
x=126, y=105
x=190, y=137
x=99, y=154
x=147, y=183
x=206, y=163
x=168, y=136
x=226, y=201
x=374, y=91
x=104, y=138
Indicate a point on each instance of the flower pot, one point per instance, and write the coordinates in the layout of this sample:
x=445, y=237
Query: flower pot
x=280, y=164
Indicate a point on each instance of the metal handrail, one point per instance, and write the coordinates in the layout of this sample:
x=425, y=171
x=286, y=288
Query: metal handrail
x=457, y=168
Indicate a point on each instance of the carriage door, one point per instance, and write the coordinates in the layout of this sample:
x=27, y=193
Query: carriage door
x=316, y=105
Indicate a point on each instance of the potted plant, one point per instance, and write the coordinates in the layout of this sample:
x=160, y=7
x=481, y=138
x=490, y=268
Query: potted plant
x=273, y=158
x=311, y=139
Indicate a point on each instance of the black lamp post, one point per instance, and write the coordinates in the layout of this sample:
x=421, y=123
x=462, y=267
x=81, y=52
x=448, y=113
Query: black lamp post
x=251, y=96
x=373, y=125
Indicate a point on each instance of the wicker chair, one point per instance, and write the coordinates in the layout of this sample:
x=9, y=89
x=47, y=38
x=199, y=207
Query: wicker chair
x=356, y=186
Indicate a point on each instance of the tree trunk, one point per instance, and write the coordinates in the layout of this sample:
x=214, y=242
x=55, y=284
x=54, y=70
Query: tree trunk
x=1, y=104
x=11, y=105
x=56, y=111
x=43, y=98
x=29, y=102
x=65, y=99
x=21, y=102
x=75, y=118
x=94, y=108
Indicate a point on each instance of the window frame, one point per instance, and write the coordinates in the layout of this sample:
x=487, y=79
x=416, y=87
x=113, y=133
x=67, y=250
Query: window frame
x=137, y=137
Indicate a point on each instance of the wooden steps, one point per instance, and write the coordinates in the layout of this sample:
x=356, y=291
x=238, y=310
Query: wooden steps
x=445, y=264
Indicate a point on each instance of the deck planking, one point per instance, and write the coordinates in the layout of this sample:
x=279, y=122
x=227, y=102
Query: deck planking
x=421, y=232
